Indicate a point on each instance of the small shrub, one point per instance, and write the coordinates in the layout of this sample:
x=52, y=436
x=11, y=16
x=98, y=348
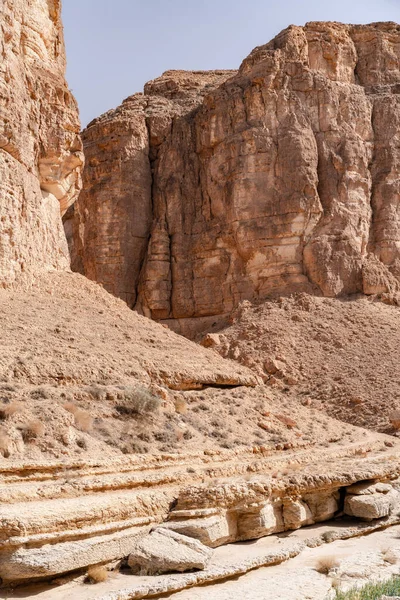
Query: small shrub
x=83, y=419
x=97, y=392
x=32, y=431
x=134, y=447
x=372, y=591
x=394, y=418
x=138, y=401
x=4, y=443
x=97, y=574
x=326, y=564
x=181, y=406
x=40, y=392
x=7, y=411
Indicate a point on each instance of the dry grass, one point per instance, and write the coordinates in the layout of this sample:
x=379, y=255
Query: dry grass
x=32, y=431
x=326, y=564
x=4, y=443
x=394, y=419
x=7, y=411
x=97, y=574
x=138, y=401
x=181, y=406
x=83, y=419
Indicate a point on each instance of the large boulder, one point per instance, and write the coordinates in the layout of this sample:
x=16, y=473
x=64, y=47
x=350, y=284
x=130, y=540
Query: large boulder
x=371, y=501
x=213, y=531
x=165, y=551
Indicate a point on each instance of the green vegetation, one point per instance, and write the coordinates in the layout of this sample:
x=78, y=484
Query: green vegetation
x=372, y=591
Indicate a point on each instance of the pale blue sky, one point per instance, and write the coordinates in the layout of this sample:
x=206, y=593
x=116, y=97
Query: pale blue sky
x=115, y=46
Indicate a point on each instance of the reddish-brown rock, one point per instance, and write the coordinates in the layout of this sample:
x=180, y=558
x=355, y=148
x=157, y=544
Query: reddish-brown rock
x=114, y=215
x=40, y=148
x=278, y=178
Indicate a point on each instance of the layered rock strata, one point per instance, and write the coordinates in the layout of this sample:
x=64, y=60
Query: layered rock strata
x=55, y=520
x=40, y=148
x=280, y=177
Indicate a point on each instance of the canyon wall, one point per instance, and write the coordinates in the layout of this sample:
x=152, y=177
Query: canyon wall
x=40, y=148
x=280, y=177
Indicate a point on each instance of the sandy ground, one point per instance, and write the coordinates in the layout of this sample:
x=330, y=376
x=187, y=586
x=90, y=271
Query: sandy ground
x=81, y=375
x=360, y=561
x=337, y=355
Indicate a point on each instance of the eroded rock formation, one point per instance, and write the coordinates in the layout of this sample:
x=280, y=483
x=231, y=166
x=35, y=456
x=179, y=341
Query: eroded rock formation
x=40, y=148
x=58, y=520
x=114, y=215
x=280, y=177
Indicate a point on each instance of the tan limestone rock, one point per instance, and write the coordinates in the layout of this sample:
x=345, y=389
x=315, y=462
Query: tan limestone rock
x=369, y=503
x=296, y=514
x=165, y=551
x=377, y=279
x=212, y=531
x=40, y=149
x=260, y=520
x=322, y=506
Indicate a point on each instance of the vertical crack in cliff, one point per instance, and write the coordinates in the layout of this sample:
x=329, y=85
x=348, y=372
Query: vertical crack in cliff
x=370, y=246
x=143, y=258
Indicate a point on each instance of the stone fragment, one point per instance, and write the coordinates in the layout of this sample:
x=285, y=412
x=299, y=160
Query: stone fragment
x=52, y=559
x=366, y=487
x=260, y=520
x=211, y=340
x=372, y=506
x=165, y=551
x=212, y=531
x=296, y=514
x=377, y=279
x=323, y=506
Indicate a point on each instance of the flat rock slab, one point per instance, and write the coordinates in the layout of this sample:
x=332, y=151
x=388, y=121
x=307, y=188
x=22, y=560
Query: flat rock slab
x=165, y=551
x=371, y=506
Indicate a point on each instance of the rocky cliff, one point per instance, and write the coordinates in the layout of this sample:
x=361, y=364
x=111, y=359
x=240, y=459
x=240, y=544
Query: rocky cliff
x=213, y=188
x=40, y=148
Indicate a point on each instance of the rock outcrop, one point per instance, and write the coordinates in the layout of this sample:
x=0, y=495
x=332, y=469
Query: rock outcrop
x=164, y=551
x=208, y=190
x=40, y=148
x=114, y=216
x=63, y=516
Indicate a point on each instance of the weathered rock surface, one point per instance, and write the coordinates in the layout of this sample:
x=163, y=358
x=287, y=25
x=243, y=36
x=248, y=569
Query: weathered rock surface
x=371, y=501
x=164, y=551
x=114, y=216
x=62, y=516
x=40, y=148
x=277, y=178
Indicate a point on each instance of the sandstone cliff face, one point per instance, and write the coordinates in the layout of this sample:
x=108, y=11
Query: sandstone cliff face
x=278, y=178
x=114, y=215
x=40, y=148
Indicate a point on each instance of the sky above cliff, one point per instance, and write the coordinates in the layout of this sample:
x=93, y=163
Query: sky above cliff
x=113, y=48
